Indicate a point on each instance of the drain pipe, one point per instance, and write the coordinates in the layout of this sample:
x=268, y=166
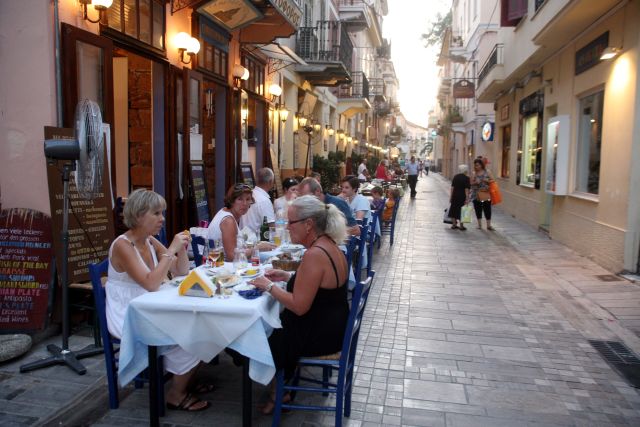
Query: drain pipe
x=56, y=23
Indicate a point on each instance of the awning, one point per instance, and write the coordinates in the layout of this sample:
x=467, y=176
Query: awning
x=281, y=53
x=281, y=19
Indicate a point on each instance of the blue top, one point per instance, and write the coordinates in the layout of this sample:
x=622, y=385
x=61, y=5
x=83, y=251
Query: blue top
x=343, y=206
x=412, y=168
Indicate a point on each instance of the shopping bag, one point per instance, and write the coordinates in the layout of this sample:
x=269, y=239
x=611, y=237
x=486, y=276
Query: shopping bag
x=446, y=219
x=465, y=214
x=494, y=190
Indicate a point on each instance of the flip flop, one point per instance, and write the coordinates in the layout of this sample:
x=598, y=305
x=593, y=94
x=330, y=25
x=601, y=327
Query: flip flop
x=187, y=403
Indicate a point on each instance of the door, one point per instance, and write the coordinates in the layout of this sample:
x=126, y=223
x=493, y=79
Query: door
x=546, y=205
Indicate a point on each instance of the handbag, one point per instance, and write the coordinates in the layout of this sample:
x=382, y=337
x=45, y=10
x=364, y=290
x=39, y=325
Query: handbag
x=482, y=195
x=494, y=191
x=446, y=218
x=465, y=214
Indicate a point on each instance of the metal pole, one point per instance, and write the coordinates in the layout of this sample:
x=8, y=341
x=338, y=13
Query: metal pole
x=65, y=255
x=306, y=167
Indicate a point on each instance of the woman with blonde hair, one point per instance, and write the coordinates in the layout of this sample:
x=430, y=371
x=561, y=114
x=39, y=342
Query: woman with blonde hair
x=315, y=299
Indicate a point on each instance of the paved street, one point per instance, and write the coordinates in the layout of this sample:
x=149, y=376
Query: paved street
x=472, y=328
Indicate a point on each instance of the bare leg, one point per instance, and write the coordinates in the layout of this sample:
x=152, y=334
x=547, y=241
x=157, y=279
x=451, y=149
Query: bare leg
x=480, y=223
x=178, y=390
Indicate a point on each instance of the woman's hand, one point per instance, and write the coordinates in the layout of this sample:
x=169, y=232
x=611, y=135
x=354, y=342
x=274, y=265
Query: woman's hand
x=277, y=275
x=261, y=283
x=266, y=246
x=180, y=242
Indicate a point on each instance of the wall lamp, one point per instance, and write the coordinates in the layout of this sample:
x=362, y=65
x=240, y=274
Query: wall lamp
x=239, y=74
x=609, y=53
x=330, y=130
x=317, y=127
x=284, y=114
x=100, y=5
x=275, y=91
x=186, y=44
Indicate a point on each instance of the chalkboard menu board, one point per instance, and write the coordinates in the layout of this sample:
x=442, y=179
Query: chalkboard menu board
x=25, y=269
x=199, y=191
x=90, y=221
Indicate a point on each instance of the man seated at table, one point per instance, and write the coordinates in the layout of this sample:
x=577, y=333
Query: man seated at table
x=139, y=263
x=315, y=299
x=262, y=206
x=311, y=187
x=223, y=228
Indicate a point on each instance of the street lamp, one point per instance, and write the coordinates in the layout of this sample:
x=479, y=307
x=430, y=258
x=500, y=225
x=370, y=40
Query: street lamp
x=308, y=127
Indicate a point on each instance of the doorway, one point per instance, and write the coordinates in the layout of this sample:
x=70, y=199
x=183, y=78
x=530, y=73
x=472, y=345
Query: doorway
x=546, y=202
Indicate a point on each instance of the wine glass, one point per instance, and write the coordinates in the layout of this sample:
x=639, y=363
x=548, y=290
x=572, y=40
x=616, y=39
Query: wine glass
x=240, y=260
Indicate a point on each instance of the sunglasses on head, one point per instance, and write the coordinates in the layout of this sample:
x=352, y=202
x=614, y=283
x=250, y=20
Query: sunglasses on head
x=239, y=187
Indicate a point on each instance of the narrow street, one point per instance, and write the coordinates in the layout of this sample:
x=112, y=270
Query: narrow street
x=472, y=328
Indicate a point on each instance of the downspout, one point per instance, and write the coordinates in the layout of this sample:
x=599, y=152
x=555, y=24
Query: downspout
x=56, y=24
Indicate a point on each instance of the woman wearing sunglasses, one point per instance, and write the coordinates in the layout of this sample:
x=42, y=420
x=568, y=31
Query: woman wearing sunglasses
x=224, y=225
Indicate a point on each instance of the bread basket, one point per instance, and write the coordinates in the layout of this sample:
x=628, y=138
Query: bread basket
x=286, y=265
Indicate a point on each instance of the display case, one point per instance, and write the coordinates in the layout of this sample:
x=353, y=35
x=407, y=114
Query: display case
x=557, y=156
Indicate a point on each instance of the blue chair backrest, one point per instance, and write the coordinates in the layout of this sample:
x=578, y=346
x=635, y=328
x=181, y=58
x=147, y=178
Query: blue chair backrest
x=96, y=271
x=358, y=304
x=196, y=242
x=351, y=248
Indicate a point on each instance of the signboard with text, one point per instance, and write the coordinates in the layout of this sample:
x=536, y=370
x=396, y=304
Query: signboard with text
x=90, y=221
x=25, y=269
x=199, y=191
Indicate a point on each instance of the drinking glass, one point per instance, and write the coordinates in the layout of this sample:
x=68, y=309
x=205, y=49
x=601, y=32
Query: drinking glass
x=240, y=260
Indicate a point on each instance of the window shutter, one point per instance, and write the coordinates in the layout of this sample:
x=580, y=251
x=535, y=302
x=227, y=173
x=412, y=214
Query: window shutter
x=517, y=9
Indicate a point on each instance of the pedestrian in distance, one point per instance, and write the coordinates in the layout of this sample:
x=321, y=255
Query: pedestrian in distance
x=427, y=165
x=420, y=167
x=412, y=175
x=459, y=196
x=480, y=192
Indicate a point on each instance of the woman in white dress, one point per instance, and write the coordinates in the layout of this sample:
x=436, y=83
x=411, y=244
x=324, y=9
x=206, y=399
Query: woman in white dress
x=281, y=204
x=139, y=263
x=224, y=225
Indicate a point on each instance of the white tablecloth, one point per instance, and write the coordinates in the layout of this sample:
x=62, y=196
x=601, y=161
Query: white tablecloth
x=202, y=326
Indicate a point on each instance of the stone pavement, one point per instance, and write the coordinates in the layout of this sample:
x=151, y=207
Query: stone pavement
x=473, y=328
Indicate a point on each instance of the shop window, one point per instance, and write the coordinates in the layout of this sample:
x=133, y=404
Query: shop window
x=255, y=83
x=142, y=20
x=529, y=149
x=589, y=143
x=213, y=58
x=506, y=152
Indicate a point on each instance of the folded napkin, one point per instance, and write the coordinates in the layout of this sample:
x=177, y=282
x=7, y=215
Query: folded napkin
x=250, y=294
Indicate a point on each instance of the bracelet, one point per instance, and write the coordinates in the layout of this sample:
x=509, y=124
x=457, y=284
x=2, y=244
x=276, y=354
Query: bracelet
x=170, y=256
x=269, y=286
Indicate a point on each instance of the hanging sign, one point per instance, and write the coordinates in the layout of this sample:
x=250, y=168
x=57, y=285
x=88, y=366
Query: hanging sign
x=25, y=269
x=487, y=131
x=464, y=89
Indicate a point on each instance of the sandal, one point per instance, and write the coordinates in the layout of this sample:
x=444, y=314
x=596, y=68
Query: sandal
x=490, y=228
x=454, y=227
x=203, y=387
x=188, y=404
x=462, y=227
x=268, y=407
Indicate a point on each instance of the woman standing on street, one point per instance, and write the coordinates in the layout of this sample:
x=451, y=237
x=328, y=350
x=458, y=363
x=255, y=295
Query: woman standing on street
x=459, y=196
x=480, y=192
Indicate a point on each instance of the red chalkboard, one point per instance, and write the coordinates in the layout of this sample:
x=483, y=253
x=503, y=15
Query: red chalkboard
x=25, y=269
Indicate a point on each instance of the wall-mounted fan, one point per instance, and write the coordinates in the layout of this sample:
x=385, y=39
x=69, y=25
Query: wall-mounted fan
x=85, y=155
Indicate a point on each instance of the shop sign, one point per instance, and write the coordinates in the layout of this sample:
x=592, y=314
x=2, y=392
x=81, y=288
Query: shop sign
x=505, y=111
x=589, y=55
x=232, y=14
x=464, y=89
x=289, y=10
x=487, y=131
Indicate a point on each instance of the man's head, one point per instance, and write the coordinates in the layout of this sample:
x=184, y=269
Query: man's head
x=413, y=159
x=315, y=175
x=265, y=178
x=310, y=187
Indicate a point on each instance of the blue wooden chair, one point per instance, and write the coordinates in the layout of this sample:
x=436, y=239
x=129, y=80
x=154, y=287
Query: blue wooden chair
x=343, y=362
x=362, y=247
x=388, y=227
x=375, y=218
x=96, y=271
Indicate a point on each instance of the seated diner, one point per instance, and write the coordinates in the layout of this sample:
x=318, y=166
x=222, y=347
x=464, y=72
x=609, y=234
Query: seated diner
x=139, y=263
x=315, y=298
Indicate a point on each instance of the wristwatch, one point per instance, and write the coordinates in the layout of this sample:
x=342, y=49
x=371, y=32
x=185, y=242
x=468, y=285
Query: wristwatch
x=269, y=286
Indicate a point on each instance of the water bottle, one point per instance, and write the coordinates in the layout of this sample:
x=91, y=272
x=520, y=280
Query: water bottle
x=281, y=223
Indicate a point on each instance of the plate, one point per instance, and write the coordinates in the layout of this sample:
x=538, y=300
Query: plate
x=243, y=287
x=249, y=273
x=227, y=280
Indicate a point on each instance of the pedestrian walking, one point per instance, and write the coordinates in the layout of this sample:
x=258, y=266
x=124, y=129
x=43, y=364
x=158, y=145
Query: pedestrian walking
x=412, y=175
x=480, y=192
x=427, y=165
x=459, y=196
x=420, y=167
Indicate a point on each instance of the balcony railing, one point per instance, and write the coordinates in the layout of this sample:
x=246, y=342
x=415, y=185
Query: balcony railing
x=328, y=41
x=359, y=87
x=376, y=87
x=494, y=59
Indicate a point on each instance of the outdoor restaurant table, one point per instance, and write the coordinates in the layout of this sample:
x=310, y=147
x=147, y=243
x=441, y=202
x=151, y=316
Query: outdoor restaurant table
x=202, y=327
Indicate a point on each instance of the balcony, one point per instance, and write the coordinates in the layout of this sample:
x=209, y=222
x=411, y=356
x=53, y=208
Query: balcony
x=359, y=15
x=354, y=98
x=491, y=75
x=328, y=52
x=377, y=89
